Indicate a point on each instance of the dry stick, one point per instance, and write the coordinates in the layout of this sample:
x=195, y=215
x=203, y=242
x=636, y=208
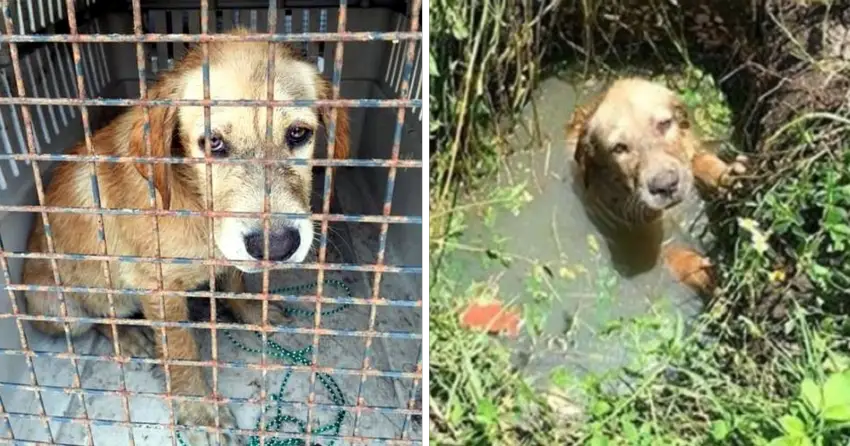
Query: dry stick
x=536, y=138
x=806, y=117
x=464, y=103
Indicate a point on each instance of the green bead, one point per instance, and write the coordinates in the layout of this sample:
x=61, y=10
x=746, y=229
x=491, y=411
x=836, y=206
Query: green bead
x=299, y=357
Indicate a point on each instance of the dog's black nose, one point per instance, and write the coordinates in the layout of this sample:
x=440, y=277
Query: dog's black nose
x=664, y=183
x=282, y=244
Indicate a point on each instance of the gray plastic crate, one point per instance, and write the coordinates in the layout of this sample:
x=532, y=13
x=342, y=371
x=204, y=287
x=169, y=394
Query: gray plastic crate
x=370, y=70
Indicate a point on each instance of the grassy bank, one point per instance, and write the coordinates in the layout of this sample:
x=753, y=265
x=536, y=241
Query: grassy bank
x=774, y=370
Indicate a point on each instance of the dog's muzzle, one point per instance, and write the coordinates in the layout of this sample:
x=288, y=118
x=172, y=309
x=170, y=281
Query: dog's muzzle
x=665, y=189
x=282, y=244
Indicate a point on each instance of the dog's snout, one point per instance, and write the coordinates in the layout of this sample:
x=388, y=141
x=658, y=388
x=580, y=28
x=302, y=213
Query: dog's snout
x=282, y=244
x=664, y=183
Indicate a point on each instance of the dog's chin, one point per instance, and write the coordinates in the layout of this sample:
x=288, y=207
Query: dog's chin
x=659, y=203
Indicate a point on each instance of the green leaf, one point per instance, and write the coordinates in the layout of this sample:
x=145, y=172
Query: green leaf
x=630, y=431
x=561, y=378
x=432, y=65
x=836, y=361
x=487, y=412
x=598, y=440
x=837, y=413
x=811, y=394
x=793, y=426
x=600, y=408
x=459, y=30
x=819, y=271
x=456, y=414
x=781, y=441
x=788, y=440
x=836, y=390
x=720, y=430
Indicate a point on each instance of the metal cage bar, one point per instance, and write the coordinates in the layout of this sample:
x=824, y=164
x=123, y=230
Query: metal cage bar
x=101, y=230
x=222, y=364
x=326, y=205
x=360, y=103
x=270, y=83
x=31, y=147
x=73, y=38
x=160, y=281
x=209, y=205
x=407, y=74
x=194, y=38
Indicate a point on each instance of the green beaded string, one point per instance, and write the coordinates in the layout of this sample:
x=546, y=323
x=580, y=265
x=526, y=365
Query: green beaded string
x=299, y=357
x=338, y=284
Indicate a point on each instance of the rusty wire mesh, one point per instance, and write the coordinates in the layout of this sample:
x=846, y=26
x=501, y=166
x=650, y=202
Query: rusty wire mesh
x=15, y=36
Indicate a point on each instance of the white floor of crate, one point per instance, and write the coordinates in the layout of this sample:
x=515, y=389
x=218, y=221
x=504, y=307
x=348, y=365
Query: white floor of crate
x=340, y=352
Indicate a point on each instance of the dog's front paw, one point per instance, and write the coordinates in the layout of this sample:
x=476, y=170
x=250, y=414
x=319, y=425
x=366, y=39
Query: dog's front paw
x=731, y=177
x=690, y=268
x=278, y=315
x=192, y=413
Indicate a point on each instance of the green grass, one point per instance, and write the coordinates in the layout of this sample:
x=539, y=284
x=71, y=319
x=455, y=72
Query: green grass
x=766, y=364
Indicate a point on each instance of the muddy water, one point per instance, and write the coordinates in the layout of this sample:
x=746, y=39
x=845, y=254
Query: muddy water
x=545, y=255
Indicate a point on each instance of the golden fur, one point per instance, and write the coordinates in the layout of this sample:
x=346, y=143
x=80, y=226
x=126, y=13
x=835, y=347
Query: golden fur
x=237, y=71
x=637, y=159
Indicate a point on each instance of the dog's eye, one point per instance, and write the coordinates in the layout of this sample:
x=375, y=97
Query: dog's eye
x=619, y=149
x=297, y=135
x=217, y=145
x=664, y=125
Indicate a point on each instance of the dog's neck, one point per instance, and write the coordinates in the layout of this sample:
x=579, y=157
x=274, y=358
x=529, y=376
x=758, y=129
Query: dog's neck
x=615, y=215
x=614, y=207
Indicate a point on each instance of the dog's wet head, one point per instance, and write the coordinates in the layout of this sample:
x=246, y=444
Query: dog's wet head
x=239, y=134
x=639, y=133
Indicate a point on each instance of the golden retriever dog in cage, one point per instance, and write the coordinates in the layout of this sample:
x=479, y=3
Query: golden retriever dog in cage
x=236, y=71
x=638, y=157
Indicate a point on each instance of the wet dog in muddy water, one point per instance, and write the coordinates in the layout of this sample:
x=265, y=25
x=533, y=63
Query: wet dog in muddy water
x=636, y=160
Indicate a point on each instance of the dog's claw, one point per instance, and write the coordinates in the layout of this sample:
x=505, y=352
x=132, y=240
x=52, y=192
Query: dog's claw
x=731, y=177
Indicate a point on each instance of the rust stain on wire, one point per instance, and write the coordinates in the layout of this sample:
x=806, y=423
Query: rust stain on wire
x=267, y=264
x=103, y=102
x=172, y=427
x=216, y=214
x=31, y=148
x=326, y=204
x=166, y=160
x=387, y=210
x=208, y=38
x=310, y=298
x=101, y=231
x=201, y=399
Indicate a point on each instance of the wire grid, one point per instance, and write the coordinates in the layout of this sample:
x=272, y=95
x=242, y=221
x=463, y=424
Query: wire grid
x=378, y=268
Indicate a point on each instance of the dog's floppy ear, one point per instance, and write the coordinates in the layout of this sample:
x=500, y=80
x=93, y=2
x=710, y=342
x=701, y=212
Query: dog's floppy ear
x=577, y=134
x=163, y=124
x=340, y=132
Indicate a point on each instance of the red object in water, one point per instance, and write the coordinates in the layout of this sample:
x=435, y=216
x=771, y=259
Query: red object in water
x=492, y=318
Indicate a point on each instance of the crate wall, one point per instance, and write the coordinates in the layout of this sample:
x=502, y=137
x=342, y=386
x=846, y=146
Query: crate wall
x=373, y=349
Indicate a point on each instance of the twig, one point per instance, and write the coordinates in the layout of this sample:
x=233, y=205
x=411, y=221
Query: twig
x=463, y=106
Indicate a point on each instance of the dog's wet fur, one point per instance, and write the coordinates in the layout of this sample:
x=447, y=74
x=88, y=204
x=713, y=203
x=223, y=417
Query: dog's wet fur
x=237, y=71
x=637, y=158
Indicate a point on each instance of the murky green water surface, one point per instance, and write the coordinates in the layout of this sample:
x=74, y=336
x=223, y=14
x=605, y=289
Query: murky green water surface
x=540, y=251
